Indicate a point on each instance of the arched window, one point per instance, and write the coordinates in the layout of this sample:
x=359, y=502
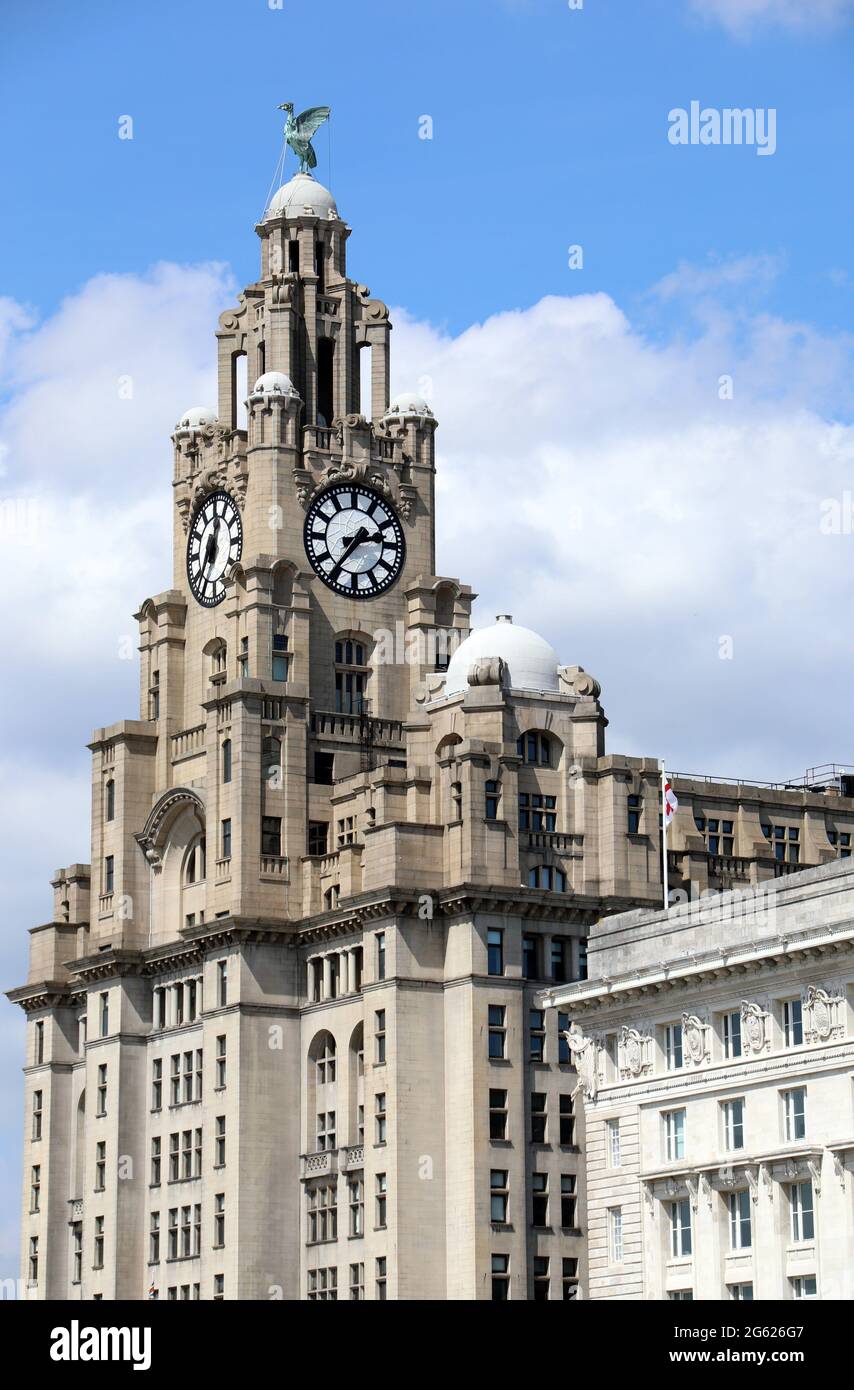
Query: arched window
x=110, y=800
x=536, y=748
x=326, y=1060
x=218, y=652
x=195, y=870
x=226, y=760
x=545, y=876
x=351, y=675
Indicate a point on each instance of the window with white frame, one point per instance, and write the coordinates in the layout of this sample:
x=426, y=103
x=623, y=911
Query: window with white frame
x=499, y=1196
x=731, y=1035
x=804, y=1286
x=680, y=1228
x=740, y=1231
x=615, y=1235
x=794, y=1113
x=673, y=1046
x=741, y=1293
x=674, y=1135
x=733, y=1123
x=614, y=1153
x=793, y=1023
x=802, y=1211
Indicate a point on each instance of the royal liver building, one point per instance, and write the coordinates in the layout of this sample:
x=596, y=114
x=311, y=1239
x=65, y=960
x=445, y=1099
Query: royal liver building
x=283, y=1032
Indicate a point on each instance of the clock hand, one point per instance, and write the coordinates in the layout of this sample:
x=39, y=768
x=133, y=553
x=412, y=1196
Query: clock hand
x=353, y=544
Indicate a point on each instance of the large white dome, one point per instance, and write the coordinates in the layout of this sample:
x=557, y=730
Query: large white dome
x=532, y=664
x=273, y=384
x=301, y=195
x=408, y=403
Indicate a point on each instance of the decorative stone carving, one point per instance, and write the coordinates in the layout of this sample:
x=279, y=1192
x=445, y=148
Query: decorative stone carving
x=814, y=1165
x=579, y=682
x=585, y=1060
x=823, y=1015
x=694, y=1038
x=304, y=484
x=692, y=1182
x=634, y=1052
x=406, y=500
x=752, y=1175
x=754, y=1027
x=488, y=670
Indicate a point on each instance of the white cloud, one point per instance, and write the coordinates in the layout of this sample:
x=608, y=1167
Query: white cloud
x=742, y=18
x=744, y=273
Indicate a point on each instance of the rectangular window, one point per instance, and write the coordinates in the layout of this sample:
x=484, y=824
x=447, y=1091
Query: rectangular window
x=39, y=1047
x=280, y=657
x=741, y=1293
x=560, y=959
x=732, y=1035
x=219, y=1220
x=614, y=1157
x=615, y=1235
x=634, y=814
x=100, y=1165
x=36, y=1187
x=357, y=1283
x=101, y=1100
x=500, y=1268
x=674, y=1135
x=537, y=1035
x=569, y=1278
x=495, y=951
x=497, y=1114
x=539, y=1199
x=567, y=1121
x=219, y=1142
x=740, y=1235
x=225, y=839
x=497, y=1031
x=197, y=1154
x=564, y=1056
x=538, y=1117
x=356, y=1191
x=104, y=1014
x=381, y=1201
x=33, y=1266
x=77, y=1252
x=673, y=1046
x=380, y=943
x=380, y=1119
x=220, y=1062
x=157, y=1083
x=529, y=957
x=680, y=1228
x=174, y=1156
x=567, y=1201
x=379, y=1036
x=37, y=1114
x=175, y=1080
x=801, y=1205
x=98, y=1250
x=324, y=769
x=199, y=1056
x=109, y=873
x=188, y=1077
x=541, y=1278
x=493, y=792
x=733, y=1118
x=222, y=982
x=793, y=1023
x=271, y=836
x=498, y=1196
x=794, y=1114
x=381, y=1279
x=326, y=1128
x=805, y=1286
x=155, y=1162
x=186, y=1232
x=318, y=836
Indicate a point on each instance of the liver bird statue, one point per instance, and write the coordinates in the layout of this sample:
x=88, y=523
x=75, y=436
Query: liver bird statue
x=299, y=130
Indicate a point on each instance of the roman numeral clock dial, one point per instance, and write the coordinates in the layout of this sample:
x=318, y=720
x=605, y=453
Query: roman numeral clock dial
x=215, y=542
x=354, y=541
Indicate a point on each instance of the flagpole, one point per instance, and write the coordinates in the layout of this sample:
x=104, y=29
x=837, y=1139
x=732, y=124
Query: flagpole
x=664, y=834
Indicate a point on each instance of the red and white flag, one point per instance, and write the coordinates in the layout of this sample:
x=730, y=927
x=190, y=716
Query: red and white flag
x=671, y=805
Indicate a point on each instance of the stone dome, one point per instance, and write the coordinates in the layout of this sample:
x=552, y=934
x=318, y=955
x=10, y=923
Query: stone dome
x=273, y=384
x=196, y=418
x=301, y=196
x=408, y=403
x=532, y=664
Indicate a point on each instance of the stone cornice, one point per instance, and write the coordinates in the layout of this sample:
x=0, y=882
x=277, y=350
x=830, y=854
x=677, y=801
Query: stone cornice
x=740, y=960
x=46, y=994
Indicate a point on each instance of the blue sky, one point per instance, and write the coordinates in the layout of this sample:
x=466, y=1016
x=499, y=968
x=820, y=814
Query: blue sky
x=622, y=506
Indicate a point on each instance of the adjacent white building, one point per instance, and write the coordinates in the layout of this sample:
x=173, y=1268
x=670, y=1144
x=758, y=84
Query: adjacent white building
x=715, y=1049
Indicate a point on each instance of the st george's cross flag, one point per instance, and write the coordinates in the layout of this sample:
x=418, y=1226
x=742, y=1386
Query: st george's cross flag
x=671, y=805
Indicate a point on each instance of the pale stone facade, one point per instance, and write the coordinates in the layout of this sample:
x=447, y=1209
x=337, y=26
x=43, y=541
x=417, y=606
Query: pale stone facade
x=718, y=1069
x=303, y=843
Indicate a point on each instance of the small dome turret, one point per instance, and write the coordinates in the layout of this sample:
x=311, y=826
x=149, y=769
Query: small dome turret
x=196, y=418
x=408, y=403
x=301, y=196
x=530, y=661
x=272, y=384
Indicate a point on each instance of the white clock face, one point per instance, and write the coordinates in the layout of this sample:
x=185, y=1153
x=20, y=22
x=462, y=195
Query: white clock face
x=354, y=541
x=215, y=542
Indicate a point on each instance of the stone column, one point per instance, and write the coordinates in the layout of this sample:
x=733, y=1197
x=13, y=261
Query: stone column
x=327, y=977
